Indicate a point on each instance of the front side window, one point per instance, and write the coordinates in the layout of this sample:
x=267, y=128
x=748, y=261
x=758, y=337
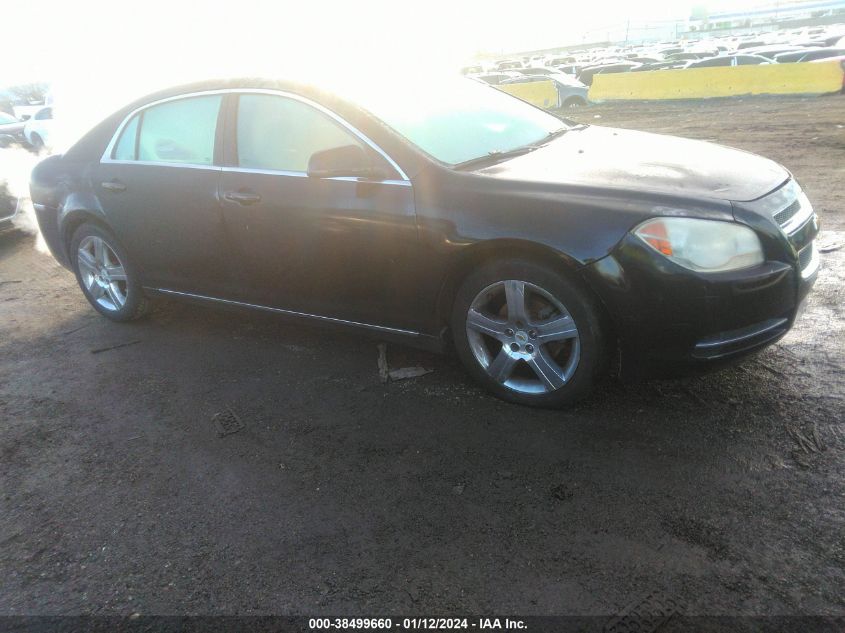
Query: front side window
x=43, y=114
x=281, y=134
x=180, y=131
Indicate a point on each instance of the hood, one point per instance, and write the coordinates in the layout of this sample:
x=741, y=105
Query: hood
x=625, y=159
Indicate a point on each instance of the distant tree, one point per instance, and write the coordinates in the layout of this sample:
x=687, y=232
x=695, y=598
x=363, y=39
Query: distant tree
x=36, y=91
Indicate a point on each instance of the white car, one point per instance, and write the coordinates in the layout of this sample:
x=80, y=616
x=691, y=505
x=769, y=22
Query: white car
x=39, y=128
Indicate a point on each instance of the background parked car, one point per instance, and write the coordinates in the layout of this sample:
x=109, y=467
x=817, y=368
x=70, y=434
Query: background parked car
x=536, y=70
x=11, y=131
x=571, y=69
x=586, y=75
x=494, y=79
x=9, y=206
x=571, y=92
x=508, y=64
x=771, y=51
x=688, y=56
x=808, y=55
x=38, y=129
x=659, y=66
x=729, y=60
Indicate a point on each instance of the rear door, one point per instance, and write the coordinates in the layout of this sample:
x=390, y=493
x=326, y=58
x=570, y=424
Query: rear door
x=337, y=247
x=158, y=188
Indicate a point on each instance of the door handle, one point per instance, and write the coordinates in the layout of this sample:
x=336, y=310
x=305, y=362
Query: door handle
x=242, y=197
x=113, y=185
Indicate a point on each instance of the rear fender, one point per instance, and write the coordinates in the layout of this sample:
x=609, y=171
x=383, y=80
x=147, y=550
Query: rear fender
x=77, y=208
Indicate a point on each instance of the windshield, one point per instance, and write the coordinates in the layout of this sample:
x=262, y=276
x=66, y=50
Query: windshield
x=460, y=120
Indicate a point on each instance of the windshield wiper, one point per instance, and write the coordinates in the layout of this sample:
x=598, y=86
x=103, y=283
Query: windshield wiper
x=555, y=134
x=499, y=155
x=495, y=156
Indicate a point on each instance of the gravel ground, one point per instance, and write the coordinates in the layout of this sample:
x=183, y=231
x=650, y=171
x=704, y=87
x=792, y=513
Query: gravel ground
x=720, y=494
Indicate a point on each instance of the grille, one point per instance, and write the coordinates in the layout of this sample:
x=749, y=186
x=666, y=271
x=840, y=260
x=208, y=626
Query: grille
x=808, y=260
x=785, y=215
x=795, y=215
x=805, y=256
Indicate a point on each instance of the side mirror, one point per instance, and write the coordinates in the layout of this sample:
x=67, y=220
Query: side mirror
x=348, y=160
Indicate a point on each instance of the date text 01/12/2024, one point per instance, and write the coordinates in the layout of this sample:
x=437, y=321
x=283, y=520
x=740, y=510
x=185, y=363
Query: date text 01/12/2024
x=416, y=623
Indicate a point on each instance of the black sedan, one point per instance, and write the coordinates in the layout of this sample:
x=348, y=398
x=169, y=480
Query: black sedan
x=540, y=249
x=809, y=54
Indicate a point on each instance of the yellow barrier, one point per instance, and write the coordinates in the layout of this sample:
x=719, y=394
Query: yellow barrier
x=541, y=93
x=728, y=81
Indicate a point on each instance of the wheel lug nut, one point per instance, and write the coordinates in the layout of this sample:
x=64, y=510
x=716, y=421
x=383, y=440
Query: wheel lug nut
x=533, y=333
x=529, y=348
x=509, y=332
x=514, y=347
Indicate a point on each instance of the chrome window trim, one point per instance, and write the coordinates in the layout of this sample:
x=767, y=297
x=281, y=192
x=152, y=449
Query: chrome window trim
x=402, y=183
x=304, y=174
x=107, y=154
x=370, y=326
x=158, y=163
x=268, y=172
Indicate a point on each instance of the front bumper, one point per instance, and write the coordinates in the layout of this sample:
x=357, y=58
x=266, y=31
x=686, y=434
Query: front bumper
x=670, y=319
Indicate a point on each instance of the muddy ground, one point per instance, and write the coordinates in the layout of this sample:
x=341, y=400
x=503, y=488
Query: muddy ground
x=716, y=494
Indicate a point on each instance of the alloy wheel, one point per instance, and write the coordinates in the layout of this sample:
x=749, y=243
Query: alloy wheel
x=102, y=273
x=523, y=337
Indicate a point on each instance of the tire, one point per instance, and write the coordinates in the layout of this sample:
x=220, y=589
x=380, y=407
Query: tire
x=550, y=366
x=37, y=142
x=110, y=282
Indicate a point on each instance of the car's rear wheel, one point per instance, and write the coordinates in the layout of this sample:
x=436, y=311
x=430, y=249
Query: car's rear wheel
x=528, y=334
x=106, y=276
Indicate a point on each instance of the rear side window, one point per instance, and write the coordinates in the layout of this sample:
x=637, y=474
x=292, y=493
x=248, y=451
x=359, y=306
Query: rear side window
x=126, y=146
x=180, y=131
x=281, y=134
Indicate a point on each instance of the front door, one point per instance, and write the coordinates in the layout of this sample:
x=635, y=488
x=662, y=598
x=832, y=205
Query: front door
x=333, y=247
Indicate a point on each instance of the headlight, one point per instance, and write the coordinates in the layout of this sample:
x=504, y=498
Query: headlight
x=703, y=245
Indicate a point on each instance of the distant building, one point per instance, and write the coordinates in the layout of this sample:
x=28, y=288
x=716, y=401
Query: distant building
x=765, y=14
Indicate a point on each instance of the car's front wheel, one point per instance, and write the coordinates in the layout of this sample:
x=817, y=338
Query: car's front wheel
x=528, y=334
x=105, y=274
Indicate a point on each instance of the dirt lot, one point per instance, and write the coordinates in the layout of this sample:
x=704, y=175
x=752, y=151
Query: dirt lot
x=718, y=494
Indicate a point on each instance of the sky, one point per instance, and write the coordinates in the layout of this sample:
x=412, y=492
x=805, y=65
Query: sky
x=94, y=36
x=99, y=54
